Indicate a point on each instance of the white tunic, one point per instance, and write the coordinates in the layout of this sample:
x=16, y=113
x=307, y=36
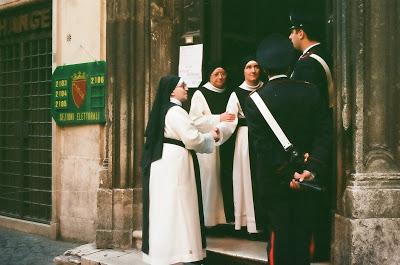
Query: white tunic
x=242, y=184
x=213, y=203
x=174, y=223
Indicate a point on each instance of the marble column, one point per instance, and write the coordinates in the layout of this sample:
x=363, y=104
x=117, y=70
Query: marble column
x=141, y=47
x=115, y=193
x=367, y=220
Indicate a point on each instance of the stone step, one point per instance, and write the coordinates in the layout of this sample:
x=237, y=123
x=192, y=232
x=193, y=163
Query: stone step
x=236, y=251
x=220, y=251
x=89, y=255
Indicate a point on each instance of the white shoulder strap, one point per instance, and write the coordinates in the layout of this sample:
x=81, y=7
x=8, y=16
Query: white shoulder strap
x=271, y=120
x=328, y=73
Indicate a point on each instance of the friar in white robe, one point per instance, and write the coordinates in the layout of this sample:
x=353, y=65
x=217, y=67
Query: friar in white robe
x=207, y=110
x=243, y=195
x=173, y=224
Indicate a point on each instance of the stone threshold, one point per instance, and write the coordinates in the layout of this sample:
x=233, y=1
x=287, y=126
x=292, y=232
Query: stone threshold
x=250, y=252
x=238, y=248
x=242, y=249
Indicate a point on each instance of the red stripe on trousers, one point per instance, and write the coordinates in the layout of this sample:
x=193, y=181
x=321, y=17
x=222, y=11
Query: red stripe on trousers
x=271, y=260
x=312, y=247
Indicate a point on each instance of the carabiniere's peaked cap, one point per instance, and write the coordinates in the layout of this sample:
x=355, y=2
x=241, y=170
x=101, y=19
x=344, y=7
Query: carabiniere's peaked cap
x=275, y=52
x=302, y=18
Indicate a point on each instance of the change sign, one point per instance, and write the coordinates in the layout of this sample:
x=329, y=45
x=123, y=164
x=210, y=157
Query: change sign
x=78, y=93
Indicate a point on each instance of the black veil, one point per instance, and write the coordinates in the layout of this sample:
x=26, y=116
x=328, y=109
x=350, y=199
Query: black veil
x=155, y=126
x=154, y=144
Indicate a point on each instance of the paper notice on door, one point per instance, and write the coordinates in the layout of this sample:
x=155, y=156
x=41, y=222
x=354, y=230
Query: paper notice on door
x=190, y=60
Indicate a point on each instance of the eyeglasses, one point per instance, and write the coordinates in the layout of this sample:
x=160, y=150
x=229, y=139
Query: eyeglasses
x=182, y=85
x=219, y=74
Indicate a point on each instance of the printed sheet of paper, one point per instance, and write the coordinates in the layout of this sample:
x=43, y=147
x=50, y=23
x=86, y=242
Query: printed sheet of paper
x=190, y=60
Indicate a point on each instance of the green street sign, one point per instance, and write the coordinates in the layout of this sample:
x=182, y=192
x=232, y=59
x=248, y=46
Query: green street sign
x=78, y=93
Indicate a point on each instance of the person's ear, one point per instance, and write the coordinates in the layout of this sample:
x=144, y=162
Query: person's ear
x=302, y=34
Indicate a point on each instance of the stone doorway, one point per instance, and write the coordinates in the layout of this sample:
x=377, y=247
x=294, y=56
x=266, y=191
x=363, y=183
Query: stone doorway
x=232, y=29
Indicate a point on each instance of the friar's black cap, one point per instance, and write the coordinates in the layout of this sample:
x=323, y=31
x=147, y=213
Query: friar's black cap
x=246, y=59
x=209, y=67
x=275, y=52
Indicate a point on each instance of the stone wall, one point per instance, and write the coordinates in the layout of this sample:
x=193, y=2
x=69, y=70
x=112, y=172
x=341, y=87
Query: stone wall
x=78, y=151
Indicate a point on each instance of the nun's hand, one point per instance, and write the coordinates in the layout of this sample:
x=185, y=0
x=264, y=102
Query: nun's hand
x=216, y=134
x=226, y=116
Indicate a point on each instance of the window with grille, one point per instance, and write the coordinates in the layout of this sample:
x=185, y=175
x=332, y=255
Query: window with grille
x=25, y=124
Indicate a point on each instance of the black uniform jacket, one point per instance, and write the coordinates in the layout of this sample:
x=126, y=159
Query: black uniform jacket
x=310, y=70
x=303, y=116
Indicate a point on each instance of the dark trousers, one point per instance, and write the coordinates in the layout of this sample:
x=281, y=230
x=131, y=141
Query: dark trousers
x=291, y=221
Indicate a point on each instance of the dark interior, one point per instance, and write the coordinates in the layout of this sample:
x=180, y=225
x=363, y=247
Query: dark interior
x=233, y=30
x=245, y=23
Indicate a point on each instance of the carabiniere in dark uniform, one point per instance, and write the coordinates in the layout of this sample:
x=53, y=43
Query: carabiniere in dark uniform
x=314, y=66
x=310, y=70
x=301, y=113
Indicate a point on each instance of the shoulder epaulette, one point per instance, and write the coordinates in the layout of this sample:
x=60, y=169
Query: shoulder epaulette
x=288, y=80
x=305, y=56
x=301, y=82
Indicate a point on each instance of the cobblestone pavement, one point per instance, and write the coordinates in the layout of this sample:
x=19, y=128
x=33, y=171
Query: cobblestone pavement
x=18, y=248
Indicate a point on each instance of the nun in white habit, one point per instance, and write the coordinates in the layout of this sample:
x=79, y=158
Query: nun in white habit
x=173, y=225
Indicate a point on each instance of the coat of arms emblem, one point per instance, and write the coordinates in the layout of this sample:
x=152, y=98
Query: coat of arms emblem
x=79, y=88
